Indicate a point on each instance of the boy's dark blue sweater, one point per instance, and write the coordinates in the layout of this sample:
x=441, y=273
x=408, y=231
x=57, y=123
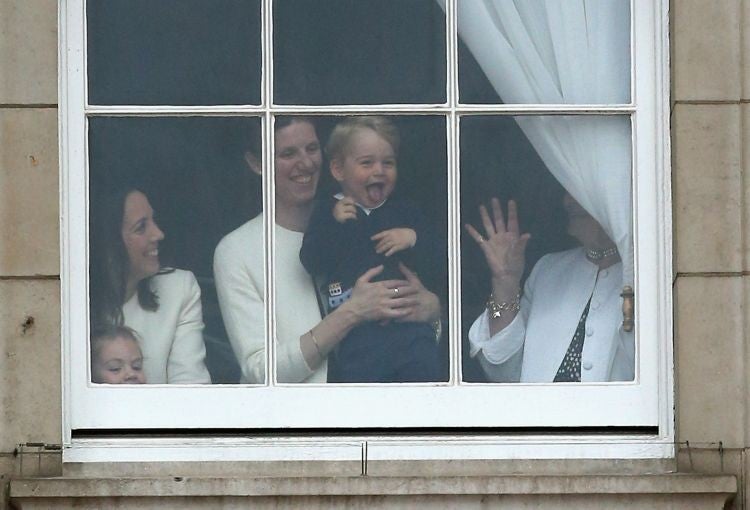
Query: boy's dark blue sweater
x=340, y=253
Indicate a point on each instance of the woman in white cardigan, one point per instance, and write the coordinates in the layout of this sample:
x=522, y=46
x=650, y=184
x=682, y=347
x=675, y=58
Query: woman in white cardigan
x=304, y=339
x=129, y=286
x=566, y=324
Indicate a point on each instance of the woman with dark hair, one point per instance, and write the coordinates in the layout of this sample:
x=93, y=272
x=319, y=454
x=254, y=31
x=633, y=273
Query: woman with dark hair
x=303, y=338
x=129, y=287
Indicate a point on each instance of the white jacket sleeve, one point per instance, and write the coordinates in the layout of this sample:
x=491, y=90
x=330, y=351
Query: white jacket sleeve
x=501, y=354
x=186, y=361
x=241, y=303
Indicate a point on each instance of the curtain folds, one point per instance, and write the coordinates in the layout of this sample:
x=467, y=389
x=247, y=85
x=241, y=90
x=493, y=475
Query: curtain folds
x=565, y=52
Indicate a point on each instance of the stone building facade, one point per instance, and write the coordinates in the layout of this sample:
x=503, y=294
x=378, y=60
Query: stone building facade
x=710, y=133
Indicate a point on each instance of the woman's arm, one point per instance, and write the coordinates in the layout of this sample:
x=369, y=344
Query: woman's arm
x=241, y=304
x=370, y=301
x=504, y=250
x=186, y=362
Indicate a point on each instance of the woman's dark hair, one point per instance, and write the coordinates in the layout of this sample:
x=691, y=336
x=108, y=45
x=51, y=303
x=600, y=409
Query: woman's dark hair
x=109, y=264
x=287, y=120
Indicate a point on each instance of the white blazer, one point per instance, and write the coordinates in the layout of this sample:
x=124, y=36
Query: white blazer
x=531, y=348
x=172, y=336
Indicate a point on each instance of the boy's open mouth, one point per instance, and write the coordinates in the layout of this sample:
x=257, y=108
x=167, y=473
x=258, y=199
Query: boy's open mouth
x=376, y=192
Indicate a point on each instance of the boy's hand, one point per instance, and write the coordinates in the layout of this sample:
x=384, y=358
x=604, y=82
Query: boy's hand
x=344, y=210
x=394, y=240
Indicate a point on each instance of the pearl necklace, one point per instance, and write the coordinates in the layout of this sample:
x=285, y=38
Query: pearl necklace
x=597, y=255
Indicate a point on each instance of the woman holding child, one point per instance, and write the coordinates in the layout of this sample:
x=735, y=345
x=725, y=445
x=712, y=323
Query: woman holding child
x=304, y=340
x=130, y=287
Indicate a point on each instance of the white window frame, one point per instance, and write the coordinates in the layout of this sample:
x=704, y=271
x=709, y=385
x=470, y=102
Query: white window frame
x=648, y=401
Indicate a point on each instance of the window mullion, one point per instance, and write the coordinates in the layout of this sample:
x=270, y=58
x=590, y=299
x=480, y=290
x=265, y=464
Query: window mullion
x=268, y=193
x=454, y=219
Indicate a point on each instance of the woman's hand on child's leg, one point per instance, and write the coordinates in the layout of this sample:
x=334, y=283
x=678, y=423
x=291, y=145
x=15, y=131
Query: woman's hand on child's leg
x=421, y=304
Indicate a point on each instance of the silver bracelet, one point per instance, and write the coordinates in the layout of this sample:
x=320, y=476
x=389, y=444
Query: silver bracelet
x=496, y=310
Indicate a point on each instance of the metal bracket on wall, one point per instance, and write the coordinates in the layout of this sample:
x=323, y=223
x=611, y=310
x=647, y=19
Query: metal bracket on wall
x=35, y=450
x=702, y=446
x=364, y=458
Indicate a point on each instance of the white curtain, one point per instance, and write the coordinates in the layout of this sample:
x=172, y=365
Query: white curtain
x=565, y=52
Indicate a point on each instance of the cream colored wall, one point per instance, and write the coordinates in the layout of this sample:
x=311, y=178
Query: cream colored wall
x=30, y=404
x=711, y=190
x=711, y=86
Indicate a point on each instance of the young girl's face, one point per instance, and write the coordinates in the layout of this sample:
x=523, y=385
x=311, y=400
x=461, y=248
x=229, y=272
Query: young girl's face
x=367, y=168
x=118, y=361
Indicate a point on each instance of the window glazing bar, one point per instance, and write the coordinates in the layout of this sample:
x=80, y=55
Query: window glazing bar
x=401, y=109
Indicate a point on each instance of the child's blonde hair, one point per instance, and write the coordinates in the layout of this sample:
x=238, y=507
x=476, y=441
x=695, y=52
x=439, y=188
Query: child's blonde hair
x=344, y=130
x=106, y=333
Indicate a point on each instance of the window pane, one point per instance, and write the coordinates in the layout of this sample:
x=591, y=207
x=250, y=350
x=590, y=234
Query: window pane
x=152, y=251
x=344, y=52
x=571, y=180
x=548, y=52
x=367, y=184
x=174, y=52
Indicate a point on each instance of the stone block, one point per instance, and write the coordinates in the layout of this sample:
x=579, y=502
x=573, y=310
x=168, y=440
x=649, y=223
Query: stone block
x=706, y=50
x=710, y=360
x=29, y=239
x=707, y=187
x=745, y=49
x=29, y=363
x=745, y=140
x=28, y=52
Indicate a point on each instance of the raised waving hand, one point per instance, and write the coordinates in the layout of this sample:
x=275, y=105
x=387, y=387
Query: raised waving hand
x=503, y=247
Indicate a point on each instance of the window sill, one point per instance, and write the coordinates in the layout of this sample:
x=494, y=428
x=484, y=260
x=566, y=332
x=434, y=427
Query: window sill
x=365, y=450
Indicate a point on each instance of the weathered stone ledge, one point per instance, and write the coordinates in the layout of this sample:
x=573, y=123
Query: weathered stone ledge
x=615, y=491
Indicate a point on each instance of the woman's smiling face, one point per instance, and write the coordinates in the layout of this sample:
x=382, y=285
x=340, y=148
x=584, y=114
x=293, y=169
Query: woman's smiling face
x=141, y=236
x=297, y=164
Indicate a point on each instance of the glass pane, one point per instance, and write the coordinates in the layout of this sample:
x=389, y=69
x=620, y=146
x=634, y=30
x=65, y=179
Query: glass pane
x=544, y=51
x=381, y=188
x=569, y=180
x=363, y=52
x=174, y=52
x=163, y=193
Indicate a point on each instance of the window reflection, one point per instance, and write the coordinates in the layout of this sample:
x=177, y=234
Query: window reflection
x=174, y=52
x=554, y=311
x=344, y=52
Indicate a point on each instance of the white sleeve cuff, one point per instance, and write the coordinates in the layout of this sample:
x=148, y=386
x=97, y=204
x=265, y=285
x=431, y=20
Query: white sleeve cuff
x=500, y=347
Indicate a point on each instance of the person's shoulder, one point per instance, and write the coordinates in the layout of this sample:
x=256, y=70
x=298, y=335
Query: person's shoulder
x=239, y=238
x=563, y=258
x=172, y=286
x=404, y=208
x=173, y=282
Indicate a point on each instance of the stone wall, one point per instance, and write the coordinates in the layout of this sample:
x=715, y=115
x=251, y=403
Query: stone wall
x=29, y=236
x=711, y=193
